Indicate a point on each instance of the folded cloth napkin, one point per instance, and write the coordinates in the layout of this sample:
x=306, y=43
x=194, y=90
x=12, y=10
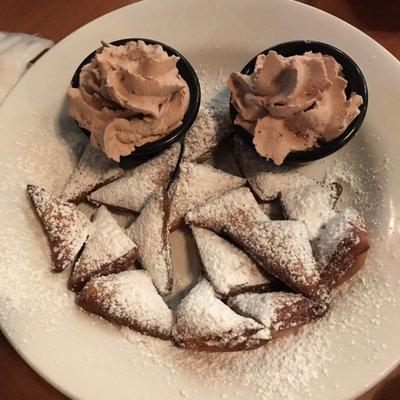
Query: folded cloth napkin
x=17, y=51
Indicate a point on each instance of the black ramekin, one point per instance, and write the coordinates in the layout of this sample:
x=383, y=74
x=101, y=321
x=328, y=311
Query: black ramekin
x=356, y=83
x=187, y=72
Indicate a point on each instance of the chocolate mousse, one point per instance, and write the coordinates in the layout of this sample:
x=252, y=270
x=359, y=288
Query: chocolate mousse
x=293, y=103
x=128, y=96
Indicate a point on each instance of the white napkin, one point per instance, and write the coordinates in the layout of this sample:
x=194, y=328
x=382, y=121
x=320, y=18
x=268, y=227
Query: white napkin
x=17, y=50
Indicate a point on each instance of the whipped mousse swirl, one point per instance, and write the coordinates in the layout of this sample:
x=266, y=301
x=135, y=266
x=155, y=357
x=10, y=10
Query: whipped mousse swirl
x=292, y=104
x=127, y=96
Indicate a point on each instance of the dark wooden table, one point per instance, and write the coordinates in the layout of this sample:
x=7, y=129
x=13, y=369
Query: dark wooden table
x=55, y=19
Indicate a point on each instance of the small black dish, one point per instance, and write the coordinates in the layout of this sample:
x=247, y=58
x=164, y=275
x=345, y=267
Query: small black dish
x=356, y=83
x=187, y=72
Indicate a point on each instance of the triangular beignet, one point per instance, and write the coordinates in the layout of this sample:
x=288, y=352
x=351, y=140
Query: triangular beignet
x=151, y=234
x=235, y=205
x=66, y=226
x=128, y=299
x=204, y=322
x=265, y=178
x=130, y=192
x=208, y=131
x=228, y=269
x=276, y=311
x=195, y=184
x=283, y=249
x=94, y=169
x=312, y=203
x=341, y=247
x=108, y=250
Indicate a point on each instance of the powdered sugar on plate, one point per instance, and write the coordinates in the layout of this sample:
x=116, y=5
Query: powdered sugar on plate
x=287, y=368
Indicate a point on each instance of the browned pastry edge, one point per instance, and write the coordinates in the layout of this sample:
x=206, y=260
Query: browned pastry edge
x=175, y=225
x=87, y=299
x=54, y=242
x=166, y=236
x=249, y=289
x=174, y=172
x=118, y=265
x=164, y=184
x=358, y=264
x=57, y=262
x=305, y=311
x=200, y=344
x=178, y=222
x=347, y=259
x=238, y=289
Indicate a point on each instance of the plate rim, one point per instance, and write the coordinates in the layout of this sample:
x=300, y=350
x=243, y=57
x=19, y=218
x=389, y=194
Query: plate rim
x=143, y=3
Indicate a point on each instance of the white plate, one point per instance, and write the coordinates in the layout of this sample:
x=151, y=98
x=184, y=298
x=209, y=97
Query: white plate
x=86, y=358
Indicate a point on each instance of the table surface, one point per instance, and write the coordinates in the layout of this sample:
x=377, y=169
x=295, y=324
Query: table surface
x=56, y=19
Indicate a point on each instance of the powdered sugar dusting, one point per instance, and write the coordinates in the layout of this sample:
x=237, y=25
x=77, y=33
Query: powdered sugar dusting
x=195, y=184
x=217, y=212
x=265, y=178
x=282, y=248
x=341, y=171
x=289, y=368
x=311, y=203
x=150, y=233
x=130, y=295
x=93, y=169
x=264, y=307
x=201, y=316
x=66, y=226
x=131, y=191
x=228, y=268
x=107, y=242
x=210, y=128
x=337, y=228
x=38, y=151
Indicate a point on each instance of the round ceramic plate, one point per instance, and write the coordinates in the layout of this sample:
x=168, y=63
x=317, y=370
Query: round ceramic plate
x=337, y=357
